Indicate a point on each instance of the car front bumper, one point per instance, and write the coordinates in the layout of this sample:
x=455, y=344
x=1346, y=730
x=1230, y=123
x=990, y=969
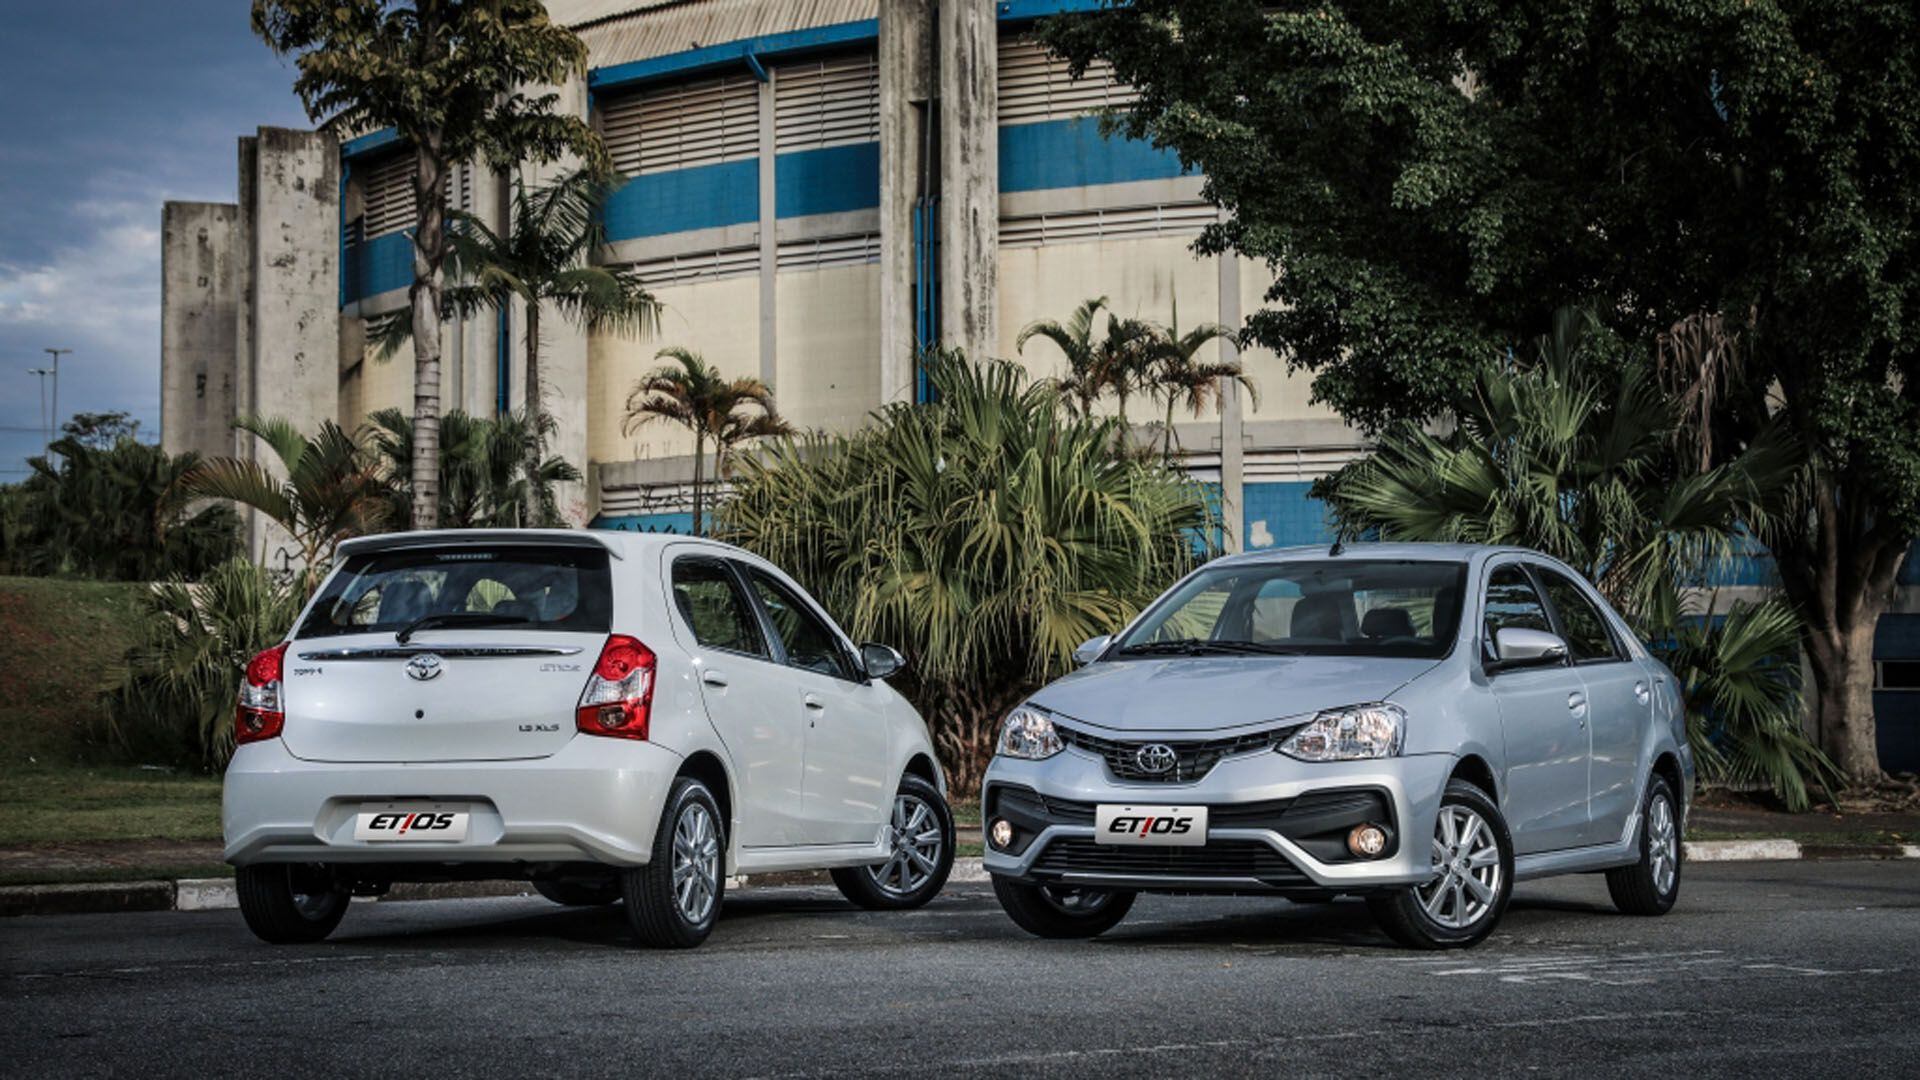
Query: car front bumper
x=1260, y=795
x=597, y=800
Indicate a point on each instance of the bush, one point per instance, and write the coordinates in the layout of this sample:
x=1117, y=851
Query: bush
x=184, y=675
x=985, y=536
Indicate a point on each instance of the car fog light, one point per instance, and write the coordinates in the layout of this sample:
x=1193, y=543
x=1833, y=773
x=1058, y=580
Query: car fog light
x=1367, y=841
x=1002, y=832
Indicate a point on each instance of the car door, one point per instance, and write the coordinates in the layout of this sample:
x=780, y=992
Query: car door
x=846, y=769
x=1619, y=704
x=749, y=696
x=1543, y=715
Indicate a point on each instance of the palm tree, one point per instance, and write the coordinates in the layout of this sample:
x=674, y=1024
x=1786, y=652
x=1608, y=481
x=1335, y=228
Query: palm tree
x=332, y=490
x=1183, y=379
x=1086, y=377
x=695, y=396
x=491, y=471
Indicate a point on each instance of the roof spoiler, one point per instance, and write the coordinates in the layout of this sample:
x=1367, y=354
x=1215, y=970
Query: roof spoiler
x=439, y=538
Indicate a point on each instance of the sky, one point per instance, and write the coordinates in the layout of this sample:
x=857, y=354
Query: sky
x=111, y=109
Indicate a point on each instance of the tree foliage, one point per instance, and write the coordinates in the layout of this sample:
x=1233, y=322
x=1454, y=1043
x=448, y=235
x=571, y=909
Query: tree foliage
x=1427, y=178
x=692, y=394
x=985, y=535
x=493, y=474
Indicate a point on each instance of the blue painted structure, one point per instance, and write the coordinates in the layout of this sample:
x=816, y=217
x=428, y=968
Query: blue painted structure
x=703, y=197
x=830, y=180
x=1074, y=153
x=371, y=267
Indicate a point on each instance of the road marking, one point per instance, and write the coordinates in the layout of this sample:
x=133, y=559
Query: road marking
x=229, y=965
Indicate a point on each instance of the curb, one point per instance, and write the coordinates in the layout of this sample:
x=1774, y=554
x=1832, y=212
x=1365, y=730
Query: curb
x=216, y=894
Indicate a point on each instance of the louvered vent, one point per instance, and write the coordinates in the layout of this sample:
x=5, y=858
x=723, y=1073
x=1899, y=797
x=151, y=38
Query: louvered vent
x=678, y=127
x=837, y=251
x=389, y=201
x=682, y=269
x=1134, y=221
x=1035, y=86
x=830, y=102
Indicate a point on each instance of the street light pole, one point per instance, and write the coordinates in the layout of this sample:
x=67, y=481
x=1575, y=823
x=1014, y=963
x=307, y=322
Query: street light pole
x=56, y=354
x=44, y=426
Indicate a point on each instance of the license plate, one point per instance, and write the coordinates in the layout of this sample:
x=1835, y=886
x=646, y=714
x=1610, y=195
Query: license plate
x=1159, y=826
x=426, y=822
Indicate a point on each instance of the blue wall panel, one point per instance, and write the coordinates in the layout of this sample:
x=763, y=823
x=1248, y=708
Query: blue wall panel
x=1282, y=515
x=703, y=197
x=379, y=265
x=1073, y=153
x=828, y=181
x=667, y=523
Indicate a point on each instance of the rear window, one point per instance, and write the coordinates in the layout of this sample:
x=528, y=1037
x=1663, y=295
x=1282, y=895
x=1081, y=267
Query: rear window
x=526, y=586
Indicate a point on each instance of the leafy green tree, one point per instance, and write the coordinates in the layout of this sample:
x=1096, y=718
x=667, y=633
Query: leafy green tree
x=102, y=504
x=332, y=489
x=985, y=535
x=451, y=76
x=492, y=474
x=1180, y=376
x=1120, y=361
x=1429, y=177
x=694, y=395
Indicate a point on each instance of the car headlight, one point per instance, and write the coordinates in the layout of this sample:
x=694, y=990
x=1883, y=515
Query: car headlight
x=1354, y=733
x=1028, y=733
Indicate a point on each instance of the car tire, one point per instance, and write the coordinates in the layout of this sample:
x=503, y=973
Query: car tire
x=289, y=903
x=674, y=900
x=912, y=874
x=1050, y=911
x=1651, y=885
x=579, y=893
x=1448, y=912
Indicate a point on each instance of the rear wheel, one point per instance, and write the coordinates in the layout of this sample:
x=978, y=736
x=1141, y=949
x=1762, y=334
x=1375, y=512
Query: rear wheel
x=673, y=901
x=289, y=903
x=579, y=893
x=1472, y=877
x=920, y=853
x=1059, y=911
x=1650, y=886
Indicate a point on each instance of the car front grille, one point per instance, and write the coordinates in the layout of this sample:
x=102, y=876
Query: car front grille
x=1193, y=758
x=1222, y=859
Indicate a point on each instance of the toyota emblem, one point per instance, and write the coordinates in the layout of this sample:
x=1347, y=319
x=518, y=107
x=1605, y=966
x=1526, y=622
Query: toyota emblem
x=424, y=666
x=1156, y=758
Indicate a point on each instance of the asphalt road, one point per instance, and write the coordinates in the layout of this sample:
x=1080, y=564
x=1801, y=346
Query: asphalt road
x=1807, y=968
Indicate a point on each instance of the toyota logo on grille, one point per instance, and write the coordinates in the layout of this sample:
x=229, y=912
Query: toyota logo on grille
x=1156, y=758
x=424, y=666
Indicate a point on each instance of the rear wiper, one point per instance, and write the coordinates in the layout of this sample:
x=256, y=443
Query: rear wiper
x=457, y=618
x=1202, y=647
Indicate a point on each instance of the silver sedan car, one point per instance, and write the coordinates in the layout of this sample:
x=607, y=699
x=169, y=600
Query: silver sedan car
x=1420, y=725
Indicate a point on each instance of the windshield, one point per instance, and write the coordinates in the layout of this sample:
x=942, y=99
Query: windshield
x=518, y=587
x=1331, y=607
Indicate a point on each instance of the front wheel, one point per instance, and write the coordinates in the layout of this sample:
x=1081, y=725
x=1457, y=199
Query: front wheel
x=674, y=900
x=919, y=853
x=1058, y=911
x=290, y=904
x=1651, y=885
x=1472, y=877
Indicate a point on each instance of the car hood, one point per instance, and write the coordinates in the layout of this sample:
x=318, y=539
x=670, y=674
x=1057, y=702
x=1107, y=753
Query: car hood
x=1208, y=693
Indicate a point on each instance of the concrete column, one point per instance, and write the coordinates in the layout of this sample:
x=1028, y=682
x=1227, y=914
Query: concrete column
x=969, y=175
x=906, y=93
x=480, y=338
x=294, y=286
x=247, y=214
x=1232, y=441
x=769, y=236
x=198, y=297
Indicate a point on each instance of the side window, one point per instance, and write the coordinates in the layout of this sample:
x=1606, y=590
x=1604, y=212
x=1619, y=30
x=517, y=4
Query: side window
x=1512, y=602
x=715, y=610
x=1585, y=627
x=809, y=643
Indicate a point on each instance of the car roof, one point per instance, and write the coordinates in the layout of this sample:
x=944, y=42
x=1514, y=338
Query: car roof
x=1434, y=552
x=619, y=543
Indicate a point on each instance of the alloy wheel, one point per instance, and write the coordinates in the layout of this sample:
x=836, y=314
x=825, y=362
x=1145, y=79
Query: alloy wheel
x=913, y=839
x=1467, y=870
x=696, y=863
x=1663, y=845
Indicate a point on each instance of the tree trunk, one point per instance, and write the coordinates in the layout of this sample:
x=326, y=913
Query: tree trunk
x=429, y=252
x=533, y=513
x=1843, y=700
x=699, y=454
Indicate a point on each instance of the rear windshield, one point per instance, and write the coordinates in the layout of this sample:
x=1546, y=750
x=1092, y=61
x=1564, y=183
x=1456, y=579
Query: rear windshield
x=524, y=586
x=1333, y=607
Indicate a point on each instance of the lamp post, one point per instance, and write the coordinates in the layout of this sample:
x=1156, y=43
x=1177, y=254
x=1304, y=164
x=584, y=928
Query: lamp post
x=56, y=354
x=44, y=425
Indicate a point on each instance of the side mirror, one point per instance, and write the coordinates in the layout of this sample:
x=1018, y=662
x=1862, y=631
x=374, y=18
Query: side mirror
x=881, y=661
x=1090, y=649
x=1519, y=647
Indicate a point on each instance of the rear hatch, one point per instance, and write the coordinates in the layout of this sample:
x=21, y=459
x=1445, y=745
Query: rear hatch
x=460, y=651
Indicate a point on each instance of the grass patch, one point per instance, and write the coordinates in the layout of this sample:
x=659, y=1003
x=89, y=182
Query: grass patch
x=95, y=874
x=965, y=811
x=62, y=643
x=43, y=805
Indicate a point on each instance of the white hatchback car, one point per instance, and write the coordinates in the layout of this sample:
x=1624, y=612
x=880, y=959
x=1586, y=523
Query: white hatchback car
x=610, y=716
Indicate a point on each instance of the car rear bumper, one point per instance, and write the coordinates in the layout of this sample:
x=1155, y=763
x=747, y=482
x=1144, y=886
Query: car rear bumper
x=1276, y=824
x=596, y=800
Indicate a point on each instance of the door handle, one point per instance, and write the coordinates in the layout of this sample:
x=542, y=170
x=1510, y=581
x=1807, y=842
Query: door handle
x=1641, y=694
x=1577, y=705
x=812, y=701
x=713, y=678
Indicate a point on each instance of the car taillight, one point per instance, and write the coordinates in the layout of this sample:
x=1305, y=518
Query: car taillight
x=260, y=714
x=619, y=694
